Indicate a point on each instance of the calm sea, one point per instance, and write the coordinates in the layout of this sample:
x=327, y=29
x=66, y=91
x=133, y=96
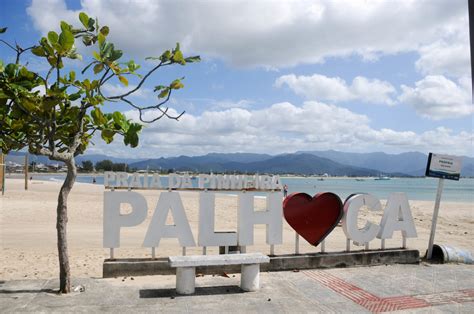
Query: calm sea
x=415, y=188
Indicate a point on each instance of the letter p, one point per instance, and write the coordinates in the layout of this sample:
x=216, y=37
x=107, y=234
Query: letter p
x=114, y=220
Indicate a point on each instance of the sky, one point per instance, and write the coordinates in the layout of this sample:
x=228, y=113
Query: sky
x=282, y=76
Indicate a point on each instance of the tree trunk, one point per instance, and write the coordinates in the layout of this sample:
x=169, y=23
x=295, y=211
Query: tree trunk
x=61, y=224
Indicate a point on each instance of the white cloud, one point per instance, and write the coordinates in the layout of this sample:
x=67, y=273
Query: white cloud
x=450, y=54
x=442, y=58
x=436, y=97
x=118, y=89
x=280, y=128
x=267, y=33
x=47, y=14
x=226, y=104
x=335, y=89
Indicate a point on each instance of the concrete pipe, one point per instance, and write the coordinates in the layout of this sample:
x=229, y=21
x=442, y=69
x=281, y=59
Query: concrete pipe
x=450, y=254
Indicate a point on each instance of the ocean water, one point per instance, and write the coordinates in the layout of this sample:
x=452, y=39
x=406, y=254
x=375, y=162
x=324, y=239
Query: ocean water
x=415, y=188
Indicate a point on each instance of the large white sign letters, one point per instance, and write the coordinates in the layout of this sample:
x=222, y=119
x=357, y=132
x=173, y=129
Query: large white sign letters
x=396, y=214
x=396, y=217
x=170, y=202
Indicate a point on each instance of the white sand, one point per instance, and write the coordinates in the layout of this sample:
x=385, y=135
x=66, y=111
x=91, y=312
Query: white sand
x=28, y=234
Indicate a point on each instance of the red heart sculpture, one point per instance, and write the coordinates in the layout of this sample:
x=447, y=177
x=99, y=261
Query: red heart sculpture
x=313, y=218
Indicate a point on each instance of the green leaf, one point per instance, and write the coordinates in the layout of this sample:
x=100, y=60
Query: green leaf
x=66, y=40
x=159, y=87
x=24, y=73
x=106, y=49
x=101, y=38
x=74, y=96
x=49, y=103
x=98, y=117
x=104, y=30
x=39, y=51
x=17, y=125
x=118, y=117
x=107, y=135
x=178, y=57
x=176, y=84
x=165, y=56
x=28, y=105
x=115, y=55
x=98, y=68
x=119, y=120
x=90, y=24
x=177, y=48
x=193, y=59
x=131, y=137
x=96, y=55
x=47, y=47
x=164, y=93
x=11, y=69
x=84, y=18
x=3, y=30
x=132, y=66
x=65, y=26
x=94, y=84
x=123, y=80
x=53, y=37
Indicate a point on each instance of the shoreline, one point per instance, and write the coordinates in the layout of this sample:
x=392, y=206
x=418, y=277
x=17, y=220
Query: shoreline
x=300, y=177
x=416, y=188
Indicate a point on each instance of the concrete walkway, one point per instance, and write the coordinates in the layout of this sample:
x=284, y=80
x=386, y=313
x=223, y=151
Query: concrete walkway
x=414, y=288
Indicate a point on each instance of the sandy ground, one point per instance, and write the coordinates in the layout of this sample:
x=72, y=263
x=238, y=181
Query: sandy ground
x=28, y=234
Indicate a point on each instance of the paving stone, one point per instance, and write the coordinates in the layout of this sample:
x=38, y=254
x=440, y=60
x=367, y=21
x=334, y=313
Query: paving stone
x=401, y=288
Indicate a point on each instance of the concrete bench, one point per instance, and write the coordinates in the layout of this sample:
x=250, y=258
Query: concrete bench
x=186, y=269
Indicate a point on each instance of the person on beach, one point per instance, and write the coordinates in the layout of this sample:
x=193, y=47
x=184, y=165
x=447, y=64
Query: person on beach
x=285, y=190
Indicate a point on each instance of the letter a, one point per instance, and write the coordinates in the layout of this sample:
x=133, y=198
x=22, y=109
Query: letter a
x=159, y=229
x=397, y=216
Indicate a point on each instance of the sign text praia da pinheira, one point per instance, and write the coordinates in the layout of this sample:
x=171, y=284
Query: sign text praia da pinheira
x=396, y=217
x=205, y=181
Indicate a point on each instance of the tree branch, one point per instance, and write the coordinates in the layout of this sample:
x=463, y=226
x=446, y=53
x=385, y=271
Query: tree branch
x=164, y=112
x=142, y=81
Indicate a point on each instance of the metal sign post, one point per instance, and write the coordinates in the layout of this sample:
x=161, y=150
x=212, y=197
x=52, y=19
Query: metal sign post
x=26, y=171
x=442, y=167
x=2, y=172
x=435, y=218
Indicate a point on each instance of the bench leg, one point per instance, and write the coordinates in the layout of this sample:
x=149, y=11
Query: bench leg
x=250, y=277
x=185, y=280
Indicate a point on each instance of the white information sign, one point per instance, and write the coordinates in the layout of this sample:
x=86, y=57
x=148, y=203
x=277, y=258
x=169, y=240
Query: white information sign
x=444, y=166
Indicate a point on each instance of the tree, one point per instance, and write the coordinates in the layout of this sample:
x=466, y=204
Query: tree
x=60, y=122
x=120, y=167
x=104, y=165
x=87, y=166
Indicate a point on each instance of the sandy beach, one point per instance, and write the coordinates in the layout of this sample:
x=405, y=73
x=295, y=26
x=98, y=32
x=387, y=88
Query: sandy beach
x=28, y=234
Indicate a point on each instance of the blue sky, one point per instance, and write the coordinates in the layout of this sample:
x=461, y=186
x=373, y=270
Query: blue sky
x=284, y=76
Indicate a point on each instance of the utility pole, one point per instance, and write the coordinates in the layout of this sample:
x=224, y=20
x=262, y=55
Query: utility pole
x=470, y=6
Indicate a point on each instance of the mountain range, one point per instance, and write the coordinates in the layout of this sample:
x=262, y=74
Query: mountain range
x=303, y=162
